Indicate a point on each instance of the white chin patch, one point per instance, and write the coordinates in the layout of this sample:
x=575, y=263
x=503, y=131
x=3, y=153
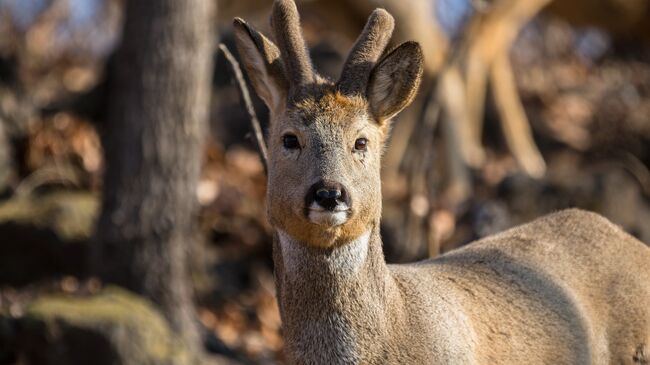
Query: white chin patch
x=324, y=217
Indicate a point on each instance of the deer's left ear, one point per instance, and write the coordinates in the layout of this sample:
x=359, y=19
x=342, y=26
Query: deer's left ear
x=395, y=80
x=261, y=59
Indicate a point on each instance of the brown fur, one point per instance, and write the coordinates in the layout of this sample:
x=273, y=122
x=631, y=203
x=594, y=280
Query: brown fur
x=569, y=288
x=321, y=122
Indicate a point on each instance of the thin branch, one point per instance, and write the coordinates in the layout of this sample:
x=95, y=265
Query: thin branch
x=243, y=88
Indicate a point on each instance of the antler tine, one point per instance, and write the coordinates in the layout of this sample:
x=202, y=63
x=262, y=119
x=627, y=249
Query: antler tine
x=285, y=22
x=366, y=51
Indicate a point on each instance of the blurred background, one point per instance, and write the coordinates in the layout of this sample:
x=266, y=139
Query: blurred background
x=132, y=218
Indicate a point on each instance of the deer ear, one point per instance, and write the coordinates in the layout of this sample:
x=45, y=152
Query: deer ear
x=261, y=59
x=395, y=80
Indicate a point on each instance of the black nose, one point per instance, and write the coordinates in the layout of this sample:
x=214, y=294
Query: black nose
x=323, y=194
x=327, y=194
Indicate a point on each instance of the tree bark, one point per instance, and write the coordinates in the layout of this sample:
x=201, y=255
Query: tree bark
x=159, y=95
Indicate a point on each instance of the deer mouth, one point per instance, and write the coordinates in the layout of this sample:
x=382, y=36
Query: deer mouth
x=325, y=217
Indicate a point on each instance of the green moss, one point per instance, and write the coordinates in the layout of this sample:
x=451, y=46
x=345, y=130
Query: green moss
x=71, y=215
x=134, y=329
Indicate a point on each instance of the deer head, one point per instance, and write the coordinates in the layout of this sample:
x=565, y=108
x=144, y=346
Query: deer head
x=326, y=138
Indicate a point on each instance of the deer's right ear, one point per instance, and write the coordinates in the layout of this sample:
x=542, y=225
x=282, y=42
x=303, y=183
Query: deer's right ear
x=261, y=59
x=395, y=80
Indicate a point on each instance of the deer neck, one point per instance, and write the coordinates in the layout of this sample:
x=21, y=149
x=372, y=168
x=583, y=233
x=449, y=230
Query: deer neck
x=334, y=302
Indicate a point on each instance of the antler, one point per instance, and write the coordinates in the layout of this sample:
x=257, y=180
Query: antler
x=366, y=51
x=285, y=22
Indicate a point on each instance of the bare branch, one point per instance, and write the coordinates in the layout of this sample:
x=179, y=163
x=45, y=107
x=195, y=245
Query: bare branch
x=243, y=88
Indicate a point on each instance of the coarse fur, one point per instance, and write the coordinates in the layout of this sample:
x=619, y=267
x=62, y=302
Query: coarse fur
x=569, y=288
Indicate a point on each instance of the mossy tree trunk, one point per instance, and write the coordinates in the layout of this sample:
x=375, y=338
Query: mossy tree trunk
x=157, y=118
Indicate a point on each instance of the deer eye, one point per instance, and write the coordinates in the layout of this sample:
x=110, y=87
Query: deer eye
x=290, y=142
x=361, y=144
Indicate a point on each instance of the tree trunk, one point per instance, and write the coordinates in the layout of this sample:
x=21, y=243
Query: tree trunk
x=6, y=162
x=157, y=117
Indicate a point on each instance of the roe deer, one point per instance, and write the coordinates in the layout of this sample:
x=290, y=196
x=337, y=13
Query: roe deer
x=569, y=288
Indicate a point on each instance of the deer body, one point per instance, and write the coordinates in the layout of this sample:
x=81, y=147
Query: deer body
x=570, y=288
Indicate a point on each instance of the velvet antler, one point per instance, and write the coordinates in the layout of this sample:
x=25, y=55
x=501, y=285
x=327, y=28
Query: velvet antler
x=366, y=51
x=285, y=22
